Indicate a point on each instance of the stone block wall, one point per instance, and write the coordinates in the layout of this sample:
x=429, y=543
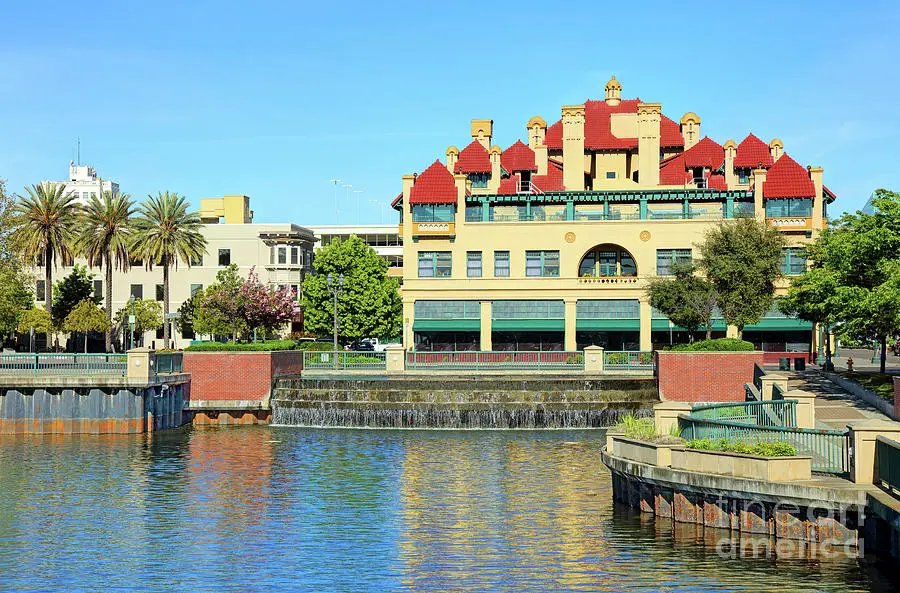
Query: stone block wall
x=705, y=376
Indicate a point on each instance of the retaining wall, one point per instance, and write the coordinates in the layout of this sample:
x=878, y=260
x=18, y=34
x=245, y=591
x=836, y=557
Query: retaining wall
x=705, y=376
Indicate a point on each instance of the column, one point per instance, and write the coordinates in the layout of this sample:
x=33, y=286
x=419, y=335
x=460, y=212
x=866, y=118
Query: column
x=731, y=331
x=486, y=341
x=643, y=208
x=571, y=316
x=570, y=210
x=409, y=341
x=646, y=321
x=729, y=207
x=759, y=180
x=485, y=211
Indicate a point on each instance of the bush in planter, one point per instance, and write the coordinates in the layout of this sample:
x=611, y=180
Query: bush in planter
x=717, y=345
x=577, y=359
x=316, y=346
x=268, y=346
x=775, y=449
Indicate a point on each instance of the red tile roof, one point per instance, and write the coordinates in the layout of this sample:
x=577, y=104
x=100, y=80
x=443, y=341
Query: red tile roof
x=474, y=158
x=788, y=179
x=509, y=185
x=716, y=181
x=552, y=181
x=518, y=157
x=669, y=133
x=752, y=153
x=553, y=136
x=434, y=186
x=673, y=171
x=706, y=153
x=597, y=124
x=397, y=200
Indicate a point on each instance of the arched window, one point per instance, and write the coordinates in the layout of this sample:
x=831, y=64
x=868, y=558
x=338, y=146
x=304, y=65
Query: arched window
x=607, y=260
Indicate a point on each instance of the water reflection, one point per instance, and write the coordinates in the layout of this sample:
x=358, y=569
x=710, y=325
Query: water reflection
x=278, y=509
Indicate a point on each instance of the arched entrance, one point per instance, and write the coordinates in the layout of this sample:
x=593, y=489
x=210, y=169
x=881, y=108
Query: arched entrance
x=607, y=260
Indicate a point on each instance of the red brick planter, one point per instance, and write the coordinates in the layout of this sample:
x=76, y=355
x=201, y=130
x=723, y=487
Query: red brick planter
x=705, y=376
x=238, y=376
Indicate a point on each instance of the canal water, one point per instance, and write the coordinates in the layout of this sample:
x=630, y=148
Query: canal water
x=291, y=509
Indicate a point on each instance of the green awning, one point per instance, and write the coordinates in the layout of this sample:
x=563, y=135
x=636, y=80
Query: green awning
x=545, y=325
x=447, y=325
x=663, y=324
x=780, y=325
x=607, y=324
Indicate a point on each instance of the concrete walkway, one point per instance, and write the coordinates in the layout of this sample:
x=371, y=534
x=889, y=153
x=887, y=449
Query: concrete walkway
x=835, y=408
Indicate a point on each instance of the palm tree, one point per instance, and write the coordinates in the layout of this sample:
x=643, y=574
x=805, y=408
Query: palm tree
x=104, y=239
x=44, y=225
x=163, y=230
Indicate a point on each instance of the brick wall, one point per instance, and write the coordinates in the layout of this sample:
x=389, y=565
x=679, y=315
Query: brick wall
x=705, y=376
x=233, y=376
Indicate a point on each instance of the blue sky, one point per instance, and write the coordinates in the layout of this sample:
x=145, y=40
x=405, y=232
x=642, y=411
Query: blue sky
x=274, y=99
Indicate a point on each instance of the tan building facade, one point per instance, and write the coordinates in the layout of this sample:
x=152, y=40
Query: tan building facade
x=549, y=245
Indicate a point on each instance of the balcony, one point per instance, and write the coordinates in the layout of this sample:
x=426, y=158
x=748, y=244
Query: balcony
x=608, y=280
x=799, y=223
x=434, y=229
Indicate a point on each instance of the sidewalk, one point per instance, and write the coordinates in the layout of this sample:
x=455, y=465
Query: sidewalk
x=835, y=408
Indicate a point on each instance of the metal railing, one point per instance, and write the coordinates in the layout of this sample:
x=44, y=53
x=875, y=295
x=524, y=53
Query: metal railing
x=63, y=364
x=625, y=360
x=496, y=360
x=887, y=463
x=169, y=362
x=756, y=413
x=829, y=449
x=344, y=360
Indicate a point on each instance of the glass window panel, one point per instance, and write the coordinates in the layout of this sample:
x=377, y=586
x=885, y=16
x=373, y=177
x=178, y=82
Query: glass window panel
x=40, y=292
x=137, y=291
x=473, y=213
x=160, y=292
x=532, y=263
x=426, y=265
x=224, y=257
x=501, y=264
x=551, y=263
x=607, y=263
x=282, y=255
x=588, y=265
x=295, y=255
x=444, y=262
x=473, y=264
x=628, y=267
x=195, y=288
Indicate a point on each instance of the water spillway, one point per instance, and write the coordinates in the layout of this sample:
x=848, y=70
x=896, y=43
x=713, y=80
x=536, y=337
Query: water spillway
x=460, y=402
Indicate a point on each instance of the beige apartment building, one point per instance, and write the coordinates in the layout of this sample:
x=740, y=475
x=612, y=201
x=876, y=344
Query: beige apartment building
x=281, y=253
x=548, y=244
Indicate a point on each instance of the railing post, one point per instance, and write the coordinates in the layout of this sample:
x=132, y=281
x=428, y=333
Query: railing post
x=141, y=364
x=768, y=383
x=395, y=359
x=665, y=415
x=593, y=360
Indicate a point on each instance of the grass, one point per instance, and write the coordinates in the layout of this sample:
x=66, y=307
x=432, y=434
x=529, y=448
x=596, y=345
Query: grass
x=775, y=449
x=644, y=429
x=878, y=383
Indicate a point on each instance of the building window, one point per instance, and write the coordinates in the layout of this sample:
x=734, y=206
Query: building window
x=433, y=212
x=478, y=179
x=473, y=264
x=195, y=288
x=40, y=292
x=295, y=290
x=610, y=174
x=224, y=257
x=667, y=258
x=607, y=260
x=743, y=174
x=793, y=261
x=282, y=255
x=435, y=264
x=473, y=213
x=137, y=291
x=98, y=289
x=780, y=208
x=295, y=256
x=542, y=263
x=160, y=292
x=501, y=264
x=196, y=261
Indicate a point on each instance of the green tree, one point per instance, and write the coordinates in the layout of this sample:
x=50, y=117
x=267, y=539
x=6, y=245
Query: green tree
x=742, y=259
x=37, y=319
x=164, y=233
x=217, y=308
x=71, y=290
x=86, y=317
x=104, y=238
x=810, y=298
x=369, y=305
x=147, y=317
x=16, y=284
x=687, y=299
x=44, y=229
x=185, y=320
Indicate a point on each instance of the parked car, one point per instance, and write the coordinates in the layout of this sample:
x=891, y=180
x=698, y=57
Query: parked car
x=363, y=345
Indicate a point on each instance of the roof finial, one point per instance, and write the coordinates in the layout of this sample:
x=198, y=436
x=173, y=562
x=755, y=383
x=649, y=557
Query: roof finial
x=613, y=92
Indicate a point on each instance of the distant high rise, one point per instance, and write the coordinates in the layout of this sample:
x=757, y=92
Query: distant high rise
x=84, y=182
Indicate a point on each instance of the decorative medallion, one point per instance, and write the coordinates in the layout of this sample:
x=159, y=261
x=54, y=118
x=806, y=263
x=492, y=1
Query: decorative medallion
x=645, y=235
x=570, y=237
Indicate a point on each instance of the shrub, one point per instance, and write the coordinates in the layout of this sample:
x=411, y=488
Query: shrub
x=776, y=449
x=576, y=359
x=717, y=345
x=316, y=346
x=271, y=345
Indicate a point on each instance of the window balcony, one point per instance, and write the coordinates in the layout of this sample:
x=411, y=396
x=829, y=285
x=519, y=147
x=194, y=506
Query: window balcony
x=434, y=229
x=788, y=223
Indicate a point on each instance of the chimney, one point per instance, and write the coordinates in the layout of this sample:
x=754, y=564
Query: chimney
x=690, y=129
x=818, y=203
x=461, y=181
x=494, y=181
x=613, y=92
x=481, y=131
x=452, y=157
x=573, y=147
x=759, y=204
x=776, y=149
x=730, y=153
x=648, y=118
x=537, y=129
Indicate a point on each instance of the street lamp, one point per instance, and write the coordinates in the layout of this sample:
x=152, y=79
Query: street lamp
x=131, y=320
x=335, y=288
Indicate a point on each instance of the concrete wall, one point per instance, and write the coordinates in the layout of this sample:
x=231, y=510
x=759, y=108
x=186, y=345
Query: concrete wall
x=705, y=376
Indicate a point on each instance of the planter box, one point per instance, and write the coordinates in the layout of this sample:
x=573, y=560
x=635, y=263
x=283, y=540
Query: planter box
x=705, y=376
x=656, y=454
x=768, y=469
x=238, y=376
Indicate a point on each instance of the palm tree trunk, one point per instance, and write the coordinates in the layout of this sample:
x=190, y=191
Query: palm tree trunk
x=166, y=304
x=48, y=291
x=109, y=315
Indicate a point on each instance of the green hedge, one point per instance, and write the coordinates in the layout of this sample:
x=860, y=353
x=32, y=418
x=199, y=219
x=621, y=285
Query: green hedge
x=242, y=346
x=717, y=345
x=316, y=346
x=776, y=449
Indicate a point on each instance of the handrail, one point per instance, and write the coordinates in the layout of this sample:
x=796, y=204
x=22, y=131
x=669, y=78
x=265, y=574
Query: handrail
x=628, y=360
x=344, y=360
x=495, y=359
x=63, y=364
x=887, y=463
x=753, y=413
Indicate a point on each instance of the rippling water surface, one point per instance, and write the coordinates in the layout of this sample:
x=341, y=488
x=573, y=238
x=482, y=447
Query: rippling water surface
x=290, y=509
